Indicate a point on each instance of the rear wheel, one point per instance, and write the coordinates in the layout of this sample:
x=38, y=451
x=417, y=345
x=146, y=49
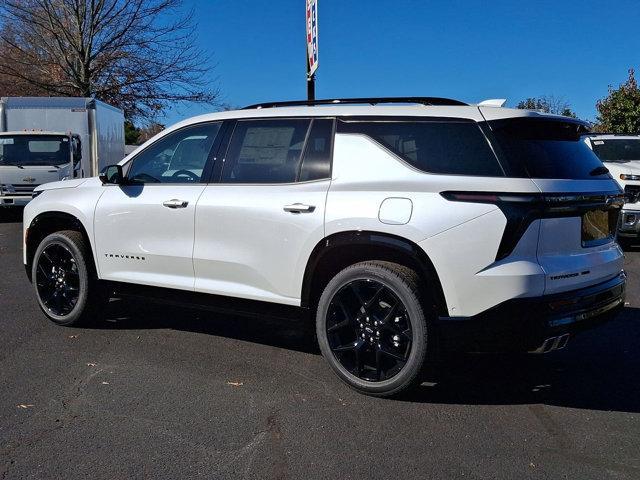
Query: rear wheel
x=64, y=279
x=372, y=327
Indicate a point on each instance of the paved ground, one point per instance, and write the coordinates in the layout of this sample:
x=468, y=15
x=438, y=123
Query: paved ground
x=163, y=393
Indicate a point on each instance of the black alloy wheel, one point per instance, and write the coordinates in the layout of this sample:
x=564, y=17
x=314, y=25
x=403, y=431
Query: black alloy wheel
x=57, y=279
x=371, y=323
x=369, y=330
x=65, y=280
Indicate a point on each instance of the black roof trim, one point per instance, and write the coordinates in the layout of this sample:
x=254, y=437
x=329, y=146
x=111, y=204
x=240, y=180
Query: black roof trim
x=357, y=101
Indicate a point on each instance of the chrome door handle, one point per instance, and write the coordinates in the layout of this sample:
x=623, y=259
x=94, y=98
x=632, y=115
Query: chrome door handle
x=175, y=203
x=299, y=208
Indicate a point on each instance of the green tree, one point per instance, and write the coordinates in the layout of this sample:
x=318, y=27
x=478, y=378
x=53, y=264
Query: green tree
x=619, y=112
x=131, y=133
x=548, y=104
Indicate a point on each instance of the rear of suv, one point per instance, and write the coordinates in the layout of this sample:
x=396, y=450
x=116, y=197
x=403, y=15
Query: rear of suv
x=405, y=230
x=621, y=155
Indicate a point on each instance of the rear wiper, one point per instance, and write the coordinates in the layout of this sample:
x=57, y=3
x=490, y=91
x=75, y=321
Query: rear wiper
x=599, y=171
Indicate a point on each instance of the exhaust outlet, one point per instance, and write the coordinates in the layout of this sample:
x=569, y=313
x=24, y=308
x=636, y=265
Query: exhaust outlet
x=552, y=343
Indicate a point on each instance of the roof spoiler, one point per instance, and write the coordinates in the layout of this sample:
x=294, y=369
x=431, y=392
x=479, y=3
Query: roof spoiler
x=493, y=102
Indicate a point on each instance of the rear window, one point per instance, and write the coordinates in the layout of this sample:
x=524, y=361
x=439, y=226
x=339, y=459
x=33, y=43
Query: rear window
x=440, y=146
x=535, y=148
x=617, y=150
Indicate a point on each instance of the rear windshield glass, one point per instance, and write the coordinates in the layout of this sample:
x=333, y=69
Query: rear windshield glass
x=445, y=147
x=25, y=150
x=617, y=150
x=535, y=148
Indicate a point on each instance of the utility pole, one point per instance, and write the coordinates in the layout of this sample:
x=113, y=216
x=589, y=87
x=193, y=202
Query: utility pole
x=312, y=47
x=311, y=87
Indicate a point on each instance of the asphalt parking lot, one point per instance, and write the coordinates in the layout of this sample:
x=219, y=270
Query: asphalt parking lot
x=160, y=392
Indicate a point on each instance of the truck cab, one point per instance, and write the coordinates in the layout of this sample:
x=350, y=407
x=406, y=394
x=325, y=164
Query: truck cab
x=31, y=158
x=621, y=155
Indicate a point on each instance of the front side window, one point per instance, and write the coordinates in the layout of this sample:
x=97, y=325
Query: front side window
x=265, y=151
x=32, y=150
x=179, y=157
x=445, y=147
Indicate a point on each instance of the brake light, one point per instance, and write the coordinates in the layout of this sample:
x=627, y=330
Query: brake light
x=521, y=209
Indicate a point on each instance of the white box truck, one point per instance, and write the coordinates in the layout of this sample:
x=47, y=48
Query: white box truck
x=46, y=139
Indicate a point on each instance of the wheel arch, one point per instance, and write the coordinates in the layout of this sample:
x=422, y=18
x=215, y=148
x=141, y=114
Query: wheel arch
x=342, y=249
x=47, y=223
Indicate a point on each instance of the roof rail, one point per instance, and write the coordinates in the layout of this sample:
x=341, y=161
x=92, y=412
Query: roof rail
x=358, y=101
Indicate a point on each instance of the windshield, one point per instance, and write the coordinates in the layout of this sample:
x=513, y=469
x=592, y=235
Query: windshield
x=618, y=150
x=32, y=150
x=539, y=148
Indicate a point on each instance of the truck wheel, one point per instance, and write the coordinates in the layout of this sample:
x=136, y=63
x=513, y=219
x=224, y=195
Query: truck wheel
x=64, y=279
x=372, y=327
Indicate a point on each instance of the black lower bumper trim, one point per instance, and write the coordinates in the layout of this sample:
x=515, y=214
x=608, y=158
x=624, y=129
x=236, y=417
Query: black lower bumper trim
x=522, y=325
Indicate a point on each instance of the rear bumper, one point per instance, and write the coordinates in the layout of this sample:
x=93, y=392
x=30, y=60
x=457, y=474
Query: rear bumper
x=523, y=325
x=629, y=224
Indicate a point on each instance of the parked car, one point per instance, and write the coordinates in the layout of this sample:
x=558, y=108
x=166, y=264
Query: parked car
x=407, y=227
x=621, y=155
x=46, y=139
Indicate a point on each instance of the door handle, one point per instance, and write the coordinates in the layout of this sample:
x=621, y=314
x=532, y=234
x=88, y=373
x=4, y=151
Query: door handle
x=299, y=208
x=175, y=203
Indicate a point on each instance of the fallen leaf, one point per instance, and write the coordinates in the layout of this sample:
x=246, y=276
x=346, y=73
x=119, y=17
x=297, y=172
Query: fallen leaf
x=235, y=384
x=25, y=405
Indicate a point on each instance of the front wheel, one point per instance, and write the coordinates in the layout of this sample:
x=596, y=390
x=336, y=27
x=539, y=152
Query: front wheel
x=64, y=279
x=372, y=327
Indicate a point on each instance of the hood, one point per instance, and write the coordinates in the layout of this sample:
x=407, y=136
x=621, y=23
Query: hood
x=616, y=169
x=76, y=182
x=32, y=175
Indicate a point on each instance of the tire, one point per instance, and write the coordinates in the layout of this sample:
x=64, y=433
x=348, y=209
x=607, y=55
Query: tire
x=62, y=269
x=380, y=348
x=626, y=243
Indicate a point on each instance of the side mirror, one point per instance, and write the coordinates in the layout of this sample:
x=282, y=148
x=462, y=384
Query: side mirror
x=112, y=174
x=77, y=150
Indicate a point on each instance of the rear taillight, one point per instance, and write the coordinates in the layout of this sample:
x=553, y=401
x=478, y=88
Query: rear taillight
x=521, y=209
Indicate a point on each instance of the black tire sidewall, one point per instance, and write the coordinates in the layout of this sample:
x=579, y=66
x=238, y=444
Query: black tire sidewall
x=83, y=273
x=411, y=370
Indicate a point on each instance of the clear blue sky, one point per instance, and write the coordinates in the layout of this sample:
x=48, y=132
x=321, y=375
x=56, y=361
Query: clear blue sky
x=466, y=49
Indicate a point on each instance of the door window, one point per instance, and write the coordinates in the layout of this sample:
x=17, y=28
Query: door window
x=316, y=164
x=265, y=151
x=179, y=157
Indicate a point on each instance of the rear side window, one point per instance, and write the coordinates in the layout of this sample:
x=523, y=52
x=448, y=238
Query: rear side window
x=536, y=148
x=619, y=150
x=445, y=147
x=316, y=164
x=265, y=151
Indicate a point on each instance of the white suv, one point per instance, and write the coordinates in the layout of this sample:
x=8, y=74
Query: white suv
x=621, y=155
x=405, y=229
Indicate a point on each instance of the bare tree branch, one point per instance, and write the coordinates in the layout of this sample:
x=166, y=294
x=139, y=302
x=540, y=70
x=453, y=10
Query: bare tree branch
x=140, y=55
